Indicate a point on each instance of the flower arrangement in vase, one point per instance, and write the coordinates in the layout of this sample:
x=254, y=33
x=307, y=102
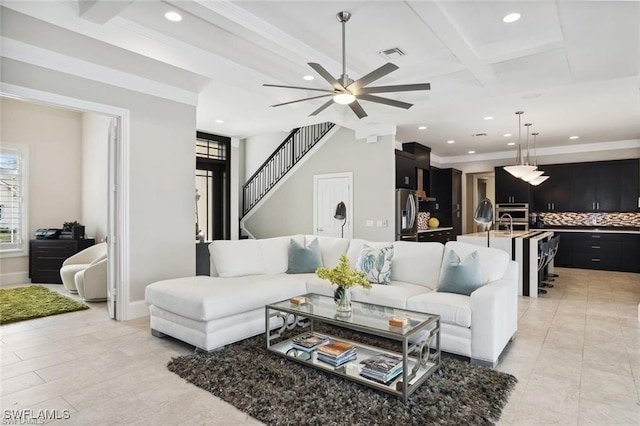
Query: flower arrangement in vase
x=344, y=277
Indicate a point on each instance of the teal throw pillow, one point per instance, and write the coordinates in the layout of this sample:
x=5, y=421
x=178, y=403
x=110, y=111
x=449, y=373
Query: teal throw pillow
x=376, y=264
x=304, y=260
x=461, y=277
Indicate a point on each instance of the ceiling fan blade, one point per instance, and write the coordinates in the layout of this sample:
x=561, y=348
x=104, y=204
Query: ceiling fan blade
x=298, y=87
x=372, y=76
x=322, y=108
x=300, y=100
x=398, y=88
x=386, y=101
x=325, y=74
x=357, y=109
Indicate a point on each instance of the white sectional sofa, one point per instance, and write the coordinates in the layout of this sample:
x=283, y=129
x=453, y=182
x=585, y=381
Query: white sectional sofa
x=212, y=311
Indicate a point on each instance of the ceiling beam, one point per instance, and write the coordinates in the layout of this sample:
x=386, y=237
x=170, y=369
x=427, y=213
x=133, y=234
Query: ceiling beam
x=101, y=11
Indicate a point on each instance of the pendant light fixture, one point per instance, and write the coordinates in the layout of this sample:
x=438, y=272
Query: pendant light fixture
x=535, y=173
x=539, y=179
x=520, y=168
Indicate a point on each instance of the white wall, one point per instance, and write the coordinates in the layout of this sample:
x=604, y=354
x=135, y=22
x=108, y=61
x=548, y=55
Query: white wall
x=161, y=169
x=53, y=137
x=290, y=209
x=94, y=166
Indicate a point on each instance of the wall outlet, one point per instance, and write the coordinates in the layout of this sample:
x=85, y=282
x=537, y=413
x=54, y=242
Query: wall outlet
x=368, y=223
x=379, y=223
x=385, y=223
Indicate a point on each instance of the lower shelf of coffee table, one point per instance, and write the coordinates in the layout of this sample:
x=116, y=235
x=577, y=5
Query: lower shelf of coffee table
x=395, y=387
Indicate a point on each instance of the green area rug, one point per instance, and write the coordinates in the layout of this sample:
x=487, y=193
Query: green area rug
x=36, y=301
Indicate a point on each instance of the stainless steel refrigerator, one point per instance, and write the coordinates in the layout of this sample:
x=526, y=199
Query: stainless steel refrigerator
x=406, y=215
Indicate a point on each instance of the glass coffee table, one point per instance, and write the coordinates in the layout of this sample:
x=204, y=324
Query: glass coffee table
x=419, y=339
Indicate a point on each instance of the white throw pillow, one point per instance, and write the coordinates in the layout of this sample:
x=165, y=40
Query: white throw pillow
x=237, y=258
x=376, y=263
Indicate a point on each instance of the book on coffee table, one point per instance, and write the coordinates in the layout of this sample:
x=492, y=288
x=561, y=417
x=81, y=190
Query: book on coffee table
x=309, y=342
x=337, y=353
x=382, y=367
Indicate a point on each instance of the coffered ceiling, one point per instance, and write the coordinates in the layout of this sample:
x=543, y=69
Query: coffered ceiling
x=571, y=66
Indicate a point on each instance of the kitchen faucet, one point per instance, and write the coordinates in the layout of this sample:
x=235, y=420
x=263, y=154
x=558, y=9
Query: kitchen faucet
x=510, y=226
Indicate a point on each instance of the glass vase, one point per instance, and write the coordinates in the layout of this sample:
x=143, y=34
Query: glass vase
x=342, y=297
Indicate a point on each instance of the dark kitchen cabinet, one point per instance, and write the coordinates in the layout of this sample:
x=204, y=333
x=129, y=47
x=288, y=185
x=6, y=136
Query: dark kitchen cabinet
x=564, y=256
x=510, y=189
x=446, y=187
x=596, y=187
x=554, y=194
x=596, y=251
x=421, y=153
x=46, y=258
x=405, y=170
x=630, y=252
x=443, y=236
x=630, y=186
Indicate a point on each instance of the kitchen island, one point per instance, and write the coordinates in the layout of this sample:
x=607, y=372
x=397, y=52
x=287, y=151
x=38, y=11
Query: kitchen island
x=522, y=246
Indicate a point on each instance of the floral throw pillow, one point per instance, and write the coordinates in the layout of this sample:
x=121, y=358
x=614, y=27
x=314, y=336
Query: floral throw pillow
x=376, y=263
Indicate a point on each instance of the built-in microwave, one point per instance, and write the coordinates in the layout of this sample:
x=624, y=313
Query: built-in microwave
x=512, y=214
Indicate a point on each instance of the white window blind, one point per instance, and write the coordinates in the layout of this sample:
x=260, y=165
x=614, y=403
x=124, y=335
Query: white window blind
x=13, y=212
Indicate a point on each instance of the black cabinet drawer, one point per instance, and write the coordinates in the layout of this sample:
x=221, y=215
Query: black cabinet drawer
x=605, y=260
x=596, y=246
x=596, y=237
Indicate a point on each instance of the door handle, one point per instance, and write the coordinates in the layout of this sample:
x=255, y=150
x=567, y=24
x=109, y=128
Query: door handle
x=595, y=236
x=598, y=205
x=595, y=260
x=595, y=247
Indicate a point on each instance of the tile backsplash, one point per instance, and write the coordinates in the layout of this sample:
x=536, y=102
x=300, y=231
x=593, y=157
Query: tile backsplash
x=591, y=219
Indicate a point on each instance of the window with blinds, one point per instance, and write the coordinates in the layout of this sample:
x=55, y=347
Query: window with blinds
x=13, y=211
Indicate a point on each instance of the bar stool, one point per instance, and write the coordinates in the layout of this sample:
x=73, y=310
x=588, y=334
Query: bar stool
x=543, y=256
x=553, y=250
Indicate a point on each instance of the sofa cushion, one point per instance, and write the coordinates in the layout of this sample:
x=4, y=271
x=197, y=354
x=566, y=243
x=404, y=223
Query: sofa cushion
x=203, y=298
x=237, y=258
x=355, y=249
x=417, y=263
x=331, y=248
x=304, y=260
x=394, y=294
x=460, y=276
x=376, y=263
x=275, y=253
x=493, y=262
x=453, y=308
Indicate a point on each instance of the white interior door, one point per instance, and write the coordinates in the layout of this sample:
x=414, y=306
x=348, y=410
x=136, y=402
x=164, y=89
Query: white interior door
x=329, y=190
x=112, y=256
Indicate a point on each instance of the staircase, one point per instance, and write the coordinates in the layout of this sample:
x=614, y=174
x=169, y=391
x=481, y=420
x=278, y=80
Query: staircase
x=288, y=154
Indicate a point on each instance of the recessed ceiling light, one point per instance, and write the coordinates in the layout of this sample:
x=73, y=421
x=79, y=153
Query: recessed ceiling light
x=512, y=17
x=422, y=128
x=511, y=143
x=452, y=141
x=506, y=135
x=574, y=137
x=173, y=16
x=472, y=152
x=219, y=121
x=308, y=77
x=488, y=118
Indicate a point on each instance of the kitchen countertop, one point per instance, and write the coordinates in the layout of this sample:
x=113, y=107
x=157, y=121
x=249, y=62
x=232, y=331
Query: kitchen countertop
x=599, y=229
x=444, y=228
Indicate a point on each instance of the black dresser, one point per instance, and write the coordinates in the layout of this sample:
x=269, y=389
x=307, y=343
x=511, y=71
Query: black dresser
x=46, y=257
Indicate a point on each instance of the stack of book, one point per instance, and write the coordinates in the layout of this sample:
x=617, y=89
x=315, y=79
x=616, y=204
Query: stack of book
x=382, y=367
x=337, y=353
x=309, y=342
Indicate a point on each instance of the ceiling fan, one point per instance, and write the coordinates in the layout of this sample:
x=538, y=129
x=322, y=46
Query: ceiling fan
x=347, y=91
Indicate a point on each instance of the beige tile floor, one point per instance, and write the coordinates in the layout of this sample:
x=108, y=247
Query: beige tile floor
x=577, y=360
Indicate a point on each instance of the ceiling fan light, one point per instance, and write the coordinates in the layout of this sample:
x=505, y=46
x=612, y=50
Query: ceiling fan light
x=344, y=98
x=531, y=176
x=537, y=181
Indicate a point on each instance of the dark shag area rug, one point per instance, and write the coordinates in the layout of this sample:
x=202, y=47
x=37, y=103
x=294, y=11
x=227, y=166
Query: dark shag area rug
x=36, y=301
x=278, y=391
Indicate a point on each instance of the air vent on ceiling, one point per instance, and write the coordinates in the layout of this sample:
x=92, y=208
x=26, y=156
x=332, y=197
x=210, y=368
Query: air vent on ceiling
x=392, y=53
x=479, y=134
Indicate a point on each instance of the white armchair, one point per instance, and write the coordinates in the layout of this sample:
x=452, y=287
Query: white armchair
x=79, y=262
x=92, y=282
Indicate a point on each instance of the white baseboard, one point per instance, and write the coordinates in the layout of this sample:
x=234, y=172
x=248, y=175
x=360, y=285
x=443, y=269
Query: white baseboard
x=14, y=278
x=137, y=309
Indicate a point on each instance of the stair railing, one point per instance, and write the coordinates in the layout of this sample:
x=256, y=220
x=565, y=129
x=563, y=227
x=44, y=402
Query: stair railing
x=285, y=156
